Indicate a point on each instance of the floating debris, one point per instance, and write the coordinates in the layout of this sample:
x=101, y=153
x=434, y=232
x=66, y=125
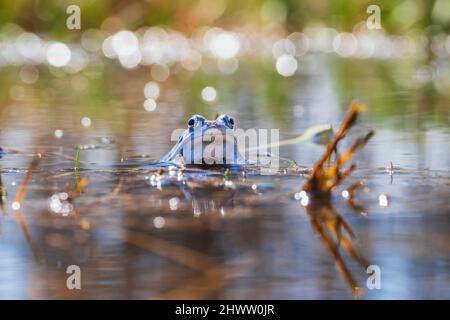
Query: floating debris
x=157, y=178
x=107, y=140
x=59, y=133
x=324, y=178
x=383, y=200
x=59, y=203
x=390, y=171
x=85, y=225
x=88, y=146
x=315, y=197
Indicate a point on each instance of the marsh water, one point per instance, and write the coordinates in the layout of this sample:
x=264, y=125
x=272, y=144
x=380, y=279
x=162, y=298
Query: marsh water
x=135, y=239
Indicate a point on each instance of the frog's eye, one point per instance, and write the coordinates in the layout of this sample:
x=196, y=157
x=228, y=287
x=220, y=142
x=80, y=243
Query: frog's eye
x=227, y=120
x=196, y=119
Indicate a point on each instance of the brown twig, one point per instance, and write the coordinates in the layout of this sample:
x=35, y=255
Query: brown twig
x=324, y=178
x=18, y=200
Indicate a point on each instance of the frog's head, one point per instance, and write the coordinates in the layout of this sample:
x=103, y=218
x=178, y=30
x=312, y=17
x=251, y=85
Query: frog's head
x=206, y=142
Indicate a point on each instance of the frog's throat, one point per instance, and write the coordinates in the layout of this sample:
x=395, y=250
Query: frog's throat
x=209, y=147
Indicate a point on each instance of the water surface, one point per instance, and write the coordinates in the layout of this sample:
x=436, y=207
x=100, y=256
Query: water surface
x=135, y=240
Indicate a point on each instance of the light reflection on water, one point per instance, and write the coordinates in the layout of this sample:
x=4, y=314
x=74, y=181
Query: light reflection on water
x=242, y=243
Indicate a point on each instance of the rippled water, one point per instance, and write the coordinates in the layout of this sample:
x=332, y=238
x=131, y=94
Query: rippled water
x=251, y=239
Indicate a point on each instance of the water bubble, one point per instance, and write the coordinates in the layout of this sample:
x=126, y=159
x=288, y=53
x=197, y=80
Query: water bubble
x=29, y=74
x=107, y=48
x=125, y=43
x=345, y=44
x=283, y=46
x=229, y=184
x=29, y=45
x=151, y=90
x=301, y=43
x=79, y=60
x=228, y=66
x=304, y=201
x=159, y=222
x=91, y=40
x=130, y=61
x=150, y=105
x=286, y=65
x=365, y=47
x=59, y=203
x=209, y=94
x=63, y=195
x=15, y=205
x=106, y=140
x=191, y=60
x=225, y=45
x=160, y=72
x=59, y=133
x=86, y=122
x=58, y=54
x=383, y=200
x=173, y=203
x=303, y=197
x=345, y=194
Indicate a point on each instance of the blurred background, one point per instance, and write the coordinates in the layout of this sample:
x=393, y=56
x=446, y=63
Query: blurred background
x=223, y=44
x=136, y=70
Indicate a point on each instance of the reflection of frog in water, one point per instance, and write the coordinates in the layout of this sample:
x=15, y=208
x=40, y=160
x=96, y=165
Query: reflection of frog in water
x=206, y=142
x=206, y=190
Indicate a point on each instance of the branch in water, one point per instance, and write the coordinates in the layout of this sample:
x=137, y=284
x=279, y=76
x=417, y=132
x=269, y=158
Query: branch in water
x=324, y=178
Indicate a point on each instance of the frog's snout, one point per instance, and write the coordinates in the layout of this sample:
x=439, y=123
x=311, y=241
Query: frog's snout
x=214, y=137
